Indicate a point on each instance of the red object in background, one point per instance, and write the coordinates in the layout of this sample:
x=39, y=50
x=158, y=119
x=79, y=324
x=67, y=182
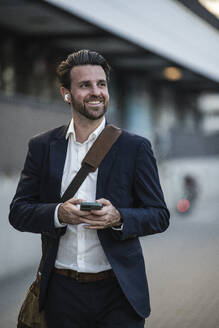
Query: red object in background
x=183, y=205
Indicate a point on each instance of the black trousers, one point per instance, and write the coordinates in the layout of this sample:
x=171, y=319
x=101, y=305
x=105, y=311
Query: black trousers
x=100, y=304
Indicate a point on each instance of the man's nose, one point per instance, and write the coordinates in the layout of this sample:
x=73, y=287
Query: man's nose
x=95, y=90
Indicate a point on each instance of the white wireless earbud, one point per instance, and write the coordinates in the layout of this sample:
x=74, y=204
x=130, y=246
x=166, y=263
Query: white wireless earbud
x=67, y=97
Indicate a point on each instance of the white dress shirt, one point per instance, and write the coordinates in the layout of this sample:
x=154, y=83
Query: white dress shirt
x=80, y=248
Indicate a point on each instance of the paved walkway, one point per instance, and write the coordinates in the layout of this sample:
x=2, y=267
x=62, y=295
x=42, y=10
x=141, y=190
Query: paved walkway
x=11, y=296
x=183, y=271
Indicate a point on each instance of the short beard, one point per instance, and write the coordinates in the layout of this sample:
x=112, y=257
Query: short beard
x=81, y=108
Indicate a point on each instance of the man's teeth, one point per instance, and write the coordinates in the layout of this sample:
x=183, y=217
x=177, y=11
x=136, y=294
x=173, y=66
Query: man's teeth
x=94, y=102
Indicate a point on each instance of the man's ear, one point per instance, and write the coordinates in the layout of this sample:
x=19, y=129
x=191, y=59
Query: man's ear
x=65, y=94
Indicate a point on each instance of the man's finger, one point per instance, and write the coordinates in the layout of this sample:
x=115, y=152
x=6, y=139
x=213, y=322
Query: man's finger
x=82, y=214
x=94, y=227
x=75, y=201
x=103, y=201
x=92, y=222
x=101, y=212
x=92, y=216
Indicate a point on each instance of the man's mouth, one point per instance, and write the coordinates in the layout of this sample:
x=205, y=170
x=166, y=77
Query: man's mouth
x=95, y=102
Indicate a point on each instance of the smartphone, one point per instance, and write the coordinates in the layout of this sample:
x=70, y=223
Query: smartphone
x=88, y=206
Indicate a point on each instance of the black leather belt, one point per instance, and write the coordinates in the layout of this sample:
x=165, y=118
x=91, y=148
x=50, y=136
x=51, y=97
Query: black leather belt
x=85, y=276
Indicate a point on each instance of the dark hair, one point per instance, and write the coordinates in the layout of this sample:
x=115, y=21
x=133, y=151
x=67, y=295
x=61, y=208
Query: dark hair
x=82, y=57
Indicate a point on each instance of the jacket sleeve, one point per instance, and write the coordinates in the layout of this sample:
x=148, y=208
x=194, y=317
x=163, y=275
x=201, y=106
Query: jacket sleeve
x=27, y=211
x=149, y=214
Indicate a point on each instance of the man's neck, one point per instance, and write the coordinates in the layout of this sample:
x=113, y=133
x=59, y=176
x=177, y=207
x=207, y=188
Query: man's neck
x=83, y=128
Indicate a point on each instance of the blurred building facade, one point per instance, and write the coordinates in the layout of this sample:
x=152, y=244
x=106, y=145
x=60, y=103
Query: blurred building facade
x=155, y=90
x=164, y=57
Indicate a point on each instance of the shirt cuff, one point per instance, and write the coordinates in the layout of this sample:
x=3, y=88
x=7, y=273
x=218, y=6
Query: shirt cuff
x=118, y=228
x=57, y=223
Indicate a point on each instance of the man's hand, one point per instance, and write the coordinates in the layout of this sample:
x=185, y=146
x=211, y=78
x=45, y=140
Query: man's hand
x=108, y=216
x=69, y=213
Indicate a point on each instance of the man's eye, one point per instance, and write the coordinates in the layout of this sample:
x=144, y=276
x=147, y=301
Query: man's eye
x=102, y=84
x=84, y=85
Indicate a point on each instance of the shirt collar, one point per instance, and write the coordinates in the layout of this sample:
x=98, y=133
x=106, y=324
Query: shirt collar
x=93, y=135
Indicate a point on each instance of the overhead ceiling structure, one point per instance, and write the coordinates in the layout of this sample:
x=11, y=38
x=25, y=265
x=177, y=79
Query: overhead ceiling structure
x=208, y=10
x=141, y=36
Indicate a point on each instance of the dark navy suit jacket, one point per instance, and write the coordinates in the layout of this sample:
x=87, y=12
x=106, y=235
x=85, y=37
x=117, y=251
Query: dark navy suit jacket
x=127, y=177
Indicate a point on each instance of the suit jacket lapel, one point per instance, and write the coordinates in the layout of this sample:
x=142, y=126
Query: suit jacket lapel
x=105, y=168
x=58, y=150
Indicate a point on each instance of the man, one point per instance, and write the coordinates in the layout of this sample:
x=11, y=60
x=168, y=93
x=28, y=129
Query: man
x=93, y=274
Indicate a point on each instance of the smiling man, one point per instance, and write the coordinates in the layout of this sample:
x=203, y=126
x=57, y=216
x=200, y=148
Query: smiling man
x=88, y=92
x=97, y=277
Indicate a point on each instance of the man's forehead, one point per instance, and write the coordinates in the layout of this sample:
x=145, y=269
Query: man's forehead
x=87, y=72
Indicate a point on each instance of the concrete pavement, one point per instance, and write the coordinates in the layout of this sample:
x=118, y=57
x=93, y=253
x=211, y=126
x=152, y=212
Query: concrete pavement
x=183, y=272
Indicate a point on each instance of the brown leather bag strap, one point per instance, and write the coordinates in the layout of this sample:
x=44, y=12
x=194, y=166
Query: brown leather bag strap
x=93, y=158
x=76, y=182
x=101, y=146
